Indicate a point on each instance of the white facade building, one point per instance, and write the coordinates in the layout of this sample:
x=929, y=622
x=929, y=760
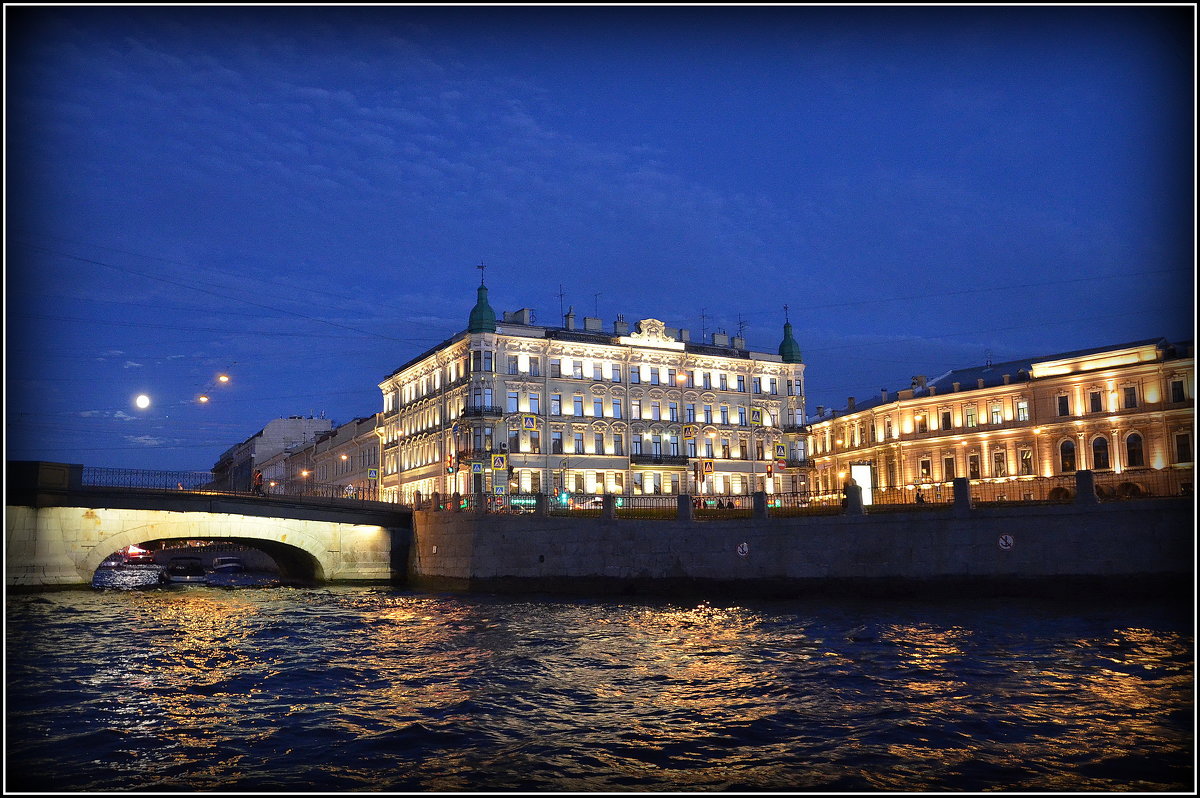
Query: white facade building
x=636, y=411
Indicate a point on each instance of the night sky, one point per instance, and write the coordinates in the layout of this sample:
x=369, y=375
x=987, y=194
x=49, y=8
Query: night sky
x=299, y=197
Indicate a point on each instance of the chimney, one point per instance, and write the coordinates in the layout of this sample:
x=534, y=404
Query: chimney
x=932, y=390
x=1007, y=378
x=685, y=335
x=981, y=382
x=738, y=342
x=569, y=318
x=820, y=410
x=620, y=326
x=883, y=394
x=957, y=386
x=850, y=403
x=592, y=325
x=720, y=339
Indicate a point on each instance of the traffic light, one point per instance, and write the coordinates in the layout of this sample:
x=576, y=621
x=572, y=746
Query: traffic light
x=450, y=469
x=770, y=469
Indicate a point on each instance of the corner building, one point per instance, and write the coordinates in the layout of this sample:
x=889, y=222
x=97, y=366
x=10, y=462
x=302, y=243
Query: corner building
x=640, y=410
x=1119, y=411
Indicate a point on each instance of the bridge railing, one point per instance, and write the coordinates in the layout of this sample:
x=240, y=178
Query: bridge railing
x=203, y=482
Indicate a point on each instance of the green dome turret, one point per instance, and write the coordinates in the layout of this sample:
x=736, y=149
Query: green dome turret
x=789, y=350
x=483, y=318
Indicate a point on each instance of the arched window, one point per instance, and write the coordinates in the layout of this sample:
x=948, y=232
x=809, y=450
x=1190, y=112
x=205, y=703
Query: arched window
x=1066, y=456
x=1100, y=453
x=1134, y=455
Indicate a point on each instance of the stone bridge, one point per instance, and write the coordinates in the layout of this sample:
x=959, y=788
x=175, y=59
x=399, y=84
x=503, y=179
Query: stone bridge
x=58, y=531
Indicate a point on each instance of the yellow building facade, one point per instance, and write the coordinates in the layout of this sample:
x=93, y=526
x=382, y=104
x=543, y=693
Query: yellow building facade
x=1117, y=411
x=512, y=407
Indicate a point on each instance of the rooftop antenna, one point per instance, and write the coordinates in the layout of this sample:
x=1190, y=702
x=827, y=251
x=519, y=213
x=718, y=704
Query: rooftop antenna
x=785, y=315
x=596, y=299
x=481, y=267
x=703, y=323
x=988, y=355
x=741, y=325
x=561, y=313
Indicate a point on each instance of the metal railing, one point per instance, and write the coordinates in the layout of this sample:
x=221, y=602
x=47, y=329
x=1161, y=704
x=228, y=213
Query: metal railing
x=204, y=482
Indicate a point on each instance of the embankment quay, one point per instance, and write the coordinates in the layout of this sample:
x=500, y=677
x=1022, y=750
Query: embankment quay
x=57, y=531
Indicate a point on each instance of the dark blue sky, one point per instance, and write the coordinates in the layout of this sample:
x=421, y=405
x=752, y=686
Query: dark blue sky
x=299, y=195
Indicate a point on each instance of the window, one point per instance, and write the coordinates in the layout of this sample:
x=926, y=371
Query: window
x=708, y=448
x=999, y=463
x=1064, y=407
x=1130, y=397
x=921, y=424
x=741, y=416
x=723, y=381
x=578, y=443
x=997, y=414
x=725, y=448
x=1022, y=410
x=598, y=408
x=689, y=412
x=708, y=414
x=673, y=411
x=555, y=367
x=758, y=384
x=973, y=466
x=1183, y=447
x=535, y=403
x=598, y=443
x=597, y=371
x=1066, y=457
x=674, y=441
x=577, y=369
x=671, y=378
x=1026, y=462
x=1096, y=402
x=636, y=445
x=616, y=408
x=947, y=469
x=741, y=383
x=654, y=372
x=535, y=442
x=635, y=375
x=512, y=402
x=512, y=364
x=1177, y=392
x=616, y=373
x=969, y=415
x=635, y=409
x=925, y=468
x=656, y=410
x=578, y=403
x=1134, y=456
x=618, y=444
x=774, y=385
x=887, y=428
x=556, y=404
x=724, y=414
x=556, y=442
x=691, y=379
x=1100, y=453
x=945, y=422
x=514, y=440
x=535, y=370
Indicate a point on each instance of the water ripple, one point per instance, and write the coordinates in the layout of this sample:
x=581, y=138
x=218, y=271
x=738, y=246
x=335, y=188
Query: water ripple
x=348, y=688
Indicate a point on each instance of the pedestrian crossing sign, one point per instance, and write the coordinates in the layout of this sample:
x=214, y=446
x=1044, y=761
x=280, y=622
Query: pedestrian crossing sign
x=499, y=462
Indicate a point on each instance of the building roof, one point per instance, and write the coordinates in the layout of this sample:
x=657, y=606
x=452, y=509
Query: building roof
x=992, y=374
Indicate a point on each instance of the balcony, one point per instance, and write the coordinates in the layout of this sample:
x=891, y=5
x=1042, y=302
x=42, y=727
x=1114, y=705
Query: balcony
x=675, y=460
x=482, y=410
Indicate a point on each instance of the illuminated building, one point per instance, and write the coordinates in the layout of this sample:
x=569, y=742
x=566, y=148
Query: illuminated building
x=640, y=409
x=1112, y=410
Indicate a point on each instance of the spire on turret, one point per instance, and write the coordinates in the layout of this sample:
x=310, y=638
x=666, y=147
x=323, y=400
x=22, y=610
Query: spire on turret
x=789, y=350
x=482, y=318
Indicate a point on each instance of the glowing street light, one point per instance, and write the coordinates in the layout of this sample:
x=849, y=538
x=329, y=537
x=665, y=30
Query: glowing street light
x=223, y=378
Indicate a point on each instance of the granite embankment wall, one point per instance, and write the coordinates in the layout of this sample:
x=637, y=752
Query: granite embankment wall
x=1141, y=545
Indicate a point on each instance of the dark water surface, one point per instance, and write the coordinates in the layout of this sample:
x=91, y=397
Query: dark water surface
x=374, y=688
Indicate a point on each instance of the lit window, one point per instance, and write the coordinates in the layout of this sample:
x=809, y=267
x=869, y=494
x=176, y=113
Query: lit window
x=1066, y=457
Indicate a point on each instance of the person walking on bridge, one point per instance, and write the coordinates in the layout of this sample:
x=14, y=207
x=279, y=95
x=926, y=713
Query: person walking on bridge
x=258, y=483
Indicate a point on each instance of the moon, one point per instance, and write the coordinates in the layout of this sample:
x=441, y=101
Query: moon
x=142, y=401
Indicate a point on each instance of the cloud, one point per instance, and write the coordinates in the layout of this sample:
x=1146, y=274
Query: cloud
x=146, y=440
x=129, y=364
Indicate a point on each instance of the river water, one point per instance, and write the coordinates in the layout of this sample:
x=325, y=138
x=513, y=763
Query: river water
x=375, y=688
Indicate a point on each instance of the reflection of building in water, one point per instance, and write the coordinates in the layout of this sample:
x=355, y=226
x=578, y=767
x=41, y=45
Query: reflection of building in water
x=638, y=409
x=1115, y=410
